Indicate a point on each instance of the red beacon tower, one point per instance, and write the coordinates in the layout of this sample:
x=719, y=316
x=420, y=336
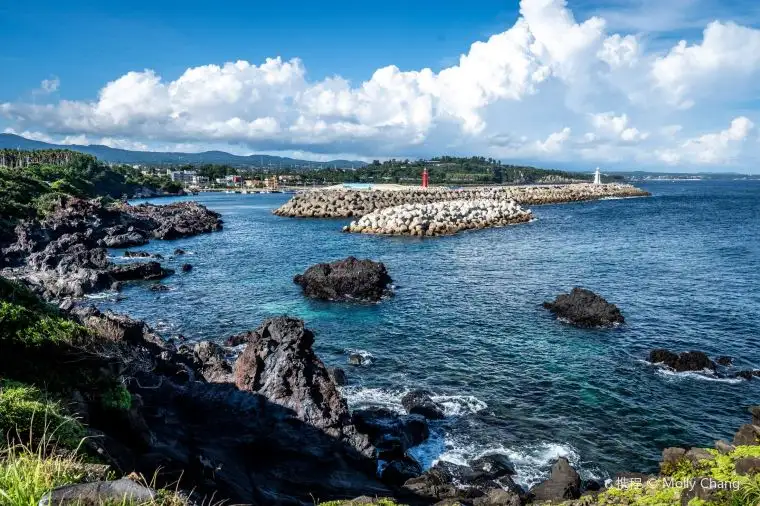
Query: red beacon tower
x=425, y=178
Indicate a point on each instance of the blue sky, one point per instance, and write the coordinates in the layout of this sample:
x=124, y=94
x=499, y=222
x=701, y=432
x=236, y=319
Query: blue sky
x=559, y=83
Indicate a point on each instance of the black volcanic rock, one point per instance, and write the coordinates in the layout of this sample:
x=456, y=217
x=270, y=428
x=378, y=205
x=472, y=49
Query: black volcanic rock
x=64, y=255
x=136, y=254
x=280, y=364
x=563, y=484
x=420, y=402
x=187, y=267
x=583, y=308
x=137, y=271
x=349, y=279
x=686, y=361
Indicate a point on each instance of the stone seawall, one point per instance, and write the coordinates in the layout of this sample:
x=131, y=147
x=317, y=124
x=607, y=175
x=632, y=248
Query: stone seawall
x=348, y=203
x=440, y=218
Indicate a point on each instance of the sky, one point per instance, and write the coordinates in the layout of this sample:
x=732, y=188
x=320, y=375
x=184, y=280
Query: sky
x=623, y=84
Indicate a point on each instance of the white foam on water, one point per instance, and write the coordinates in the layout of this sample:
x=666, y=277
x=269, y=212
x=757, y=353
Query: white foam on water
x=458, y=405
x=532, y=461
x=366, y=356
x=101, y=295
x=359, y=397
x=703, y=375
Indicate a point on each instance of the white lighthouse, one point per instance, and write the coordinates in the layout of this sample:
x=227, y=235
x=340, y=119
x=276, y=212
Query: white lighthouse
x=597, y=177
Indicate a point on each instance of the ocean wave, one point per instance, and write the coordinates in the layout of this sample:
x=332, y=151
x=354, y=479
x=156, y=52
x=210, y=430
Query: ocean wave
x=532, y=461
x=703, y=375
x=458, y=405
x=101, y=295
x=453, y=405
x=367, y=357
x=362, y=398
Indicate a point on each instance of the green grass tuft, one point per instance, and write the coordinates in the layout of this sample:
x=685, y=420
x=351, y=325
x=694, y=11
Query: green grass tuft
x=26, y=414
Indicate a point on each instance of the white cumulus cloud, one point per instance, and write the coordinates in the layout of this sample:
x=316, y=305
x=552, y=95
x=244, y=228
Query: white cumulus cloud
x=521, y=93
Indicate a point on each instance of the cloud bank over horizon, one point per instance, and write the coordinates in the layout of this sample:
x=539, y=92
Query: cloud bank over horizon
x=550, y=89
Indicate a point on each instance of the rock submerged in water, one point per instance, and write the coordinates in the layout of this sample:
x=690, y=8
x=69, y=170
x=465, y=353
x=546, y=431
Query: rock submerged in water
x=686, y=361
x=420, y=402
x=583, y=308
x=348, y=279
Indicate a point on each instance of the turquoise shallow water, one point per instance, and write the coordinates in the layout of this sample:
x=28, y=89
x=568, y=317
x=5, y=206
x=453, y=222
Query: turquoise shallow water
x=467, y=322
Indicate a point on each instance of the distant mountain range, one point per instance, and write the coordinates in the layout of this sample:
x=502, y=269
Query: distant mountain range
x=114, y=155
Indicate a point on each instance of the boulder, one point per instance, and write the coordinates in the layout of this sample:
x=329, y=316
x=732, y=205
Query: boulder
x=583, y=308
x=338, y=375
x=124, y=240
x=136, y=254
x=446, y=480
x=755, y=412
x=724, y=447
x=121, y=491
x=356, y=359
x=213, y=362
x=420, y=402
x=563, y=484
x=671, y=458
x=187, y=267
x=498, y=497
x=139, y=271
x=747, y=374
x=280, y=364
x=398, y=472
x=686, y=361
x=724, y=360
x=349, y=279
x=390, y=432
x=159, y=288
x=179, y=251
x=493, y=466
x=747, y=465
x=747, y=435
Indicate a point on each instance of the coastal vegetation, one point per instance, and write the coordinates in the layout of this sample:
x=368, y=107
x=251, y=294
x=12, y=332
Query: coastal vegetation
x=32, y=181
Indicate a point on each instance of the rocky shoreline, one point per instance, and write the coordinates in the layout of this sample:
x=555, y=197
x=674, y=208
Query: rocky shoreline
x=268, y=425
x=440, y=218
x=354, y=203
x=64, y=254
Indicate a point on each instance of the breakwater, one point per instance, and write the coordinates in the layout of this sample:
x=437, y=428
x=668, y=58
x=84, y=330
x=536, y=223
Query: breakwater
x=345, y=203
x=440, y=218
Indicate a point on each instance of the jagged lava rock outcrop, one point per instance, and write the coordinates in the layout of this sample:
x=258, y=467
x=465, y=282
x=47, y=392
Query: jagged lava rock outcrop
x=347, y=279
x=440, y=218
x=345, y=203
x=583, y=308
x=63, y=254
x=280, y=364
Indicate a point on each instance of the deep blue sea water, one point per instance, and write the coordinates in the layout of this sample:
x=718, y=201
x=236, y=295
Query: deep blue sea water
x=467, y=322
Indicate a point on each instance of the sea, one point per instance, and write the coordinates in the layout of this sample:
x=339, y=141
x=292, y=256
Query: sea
x=467, y=323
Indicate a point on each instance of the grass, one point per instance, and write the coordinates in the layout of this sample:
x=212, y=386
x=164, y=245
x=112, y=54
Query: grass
x=30, y=416
x=26, y=475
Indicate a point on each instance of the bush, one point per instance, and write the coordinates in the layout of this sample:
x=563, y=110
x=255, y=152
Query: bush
x=36, y=327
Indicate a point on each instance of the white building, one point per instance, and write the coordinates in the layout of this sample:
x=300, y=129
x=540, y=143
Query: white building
x=183, y=176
